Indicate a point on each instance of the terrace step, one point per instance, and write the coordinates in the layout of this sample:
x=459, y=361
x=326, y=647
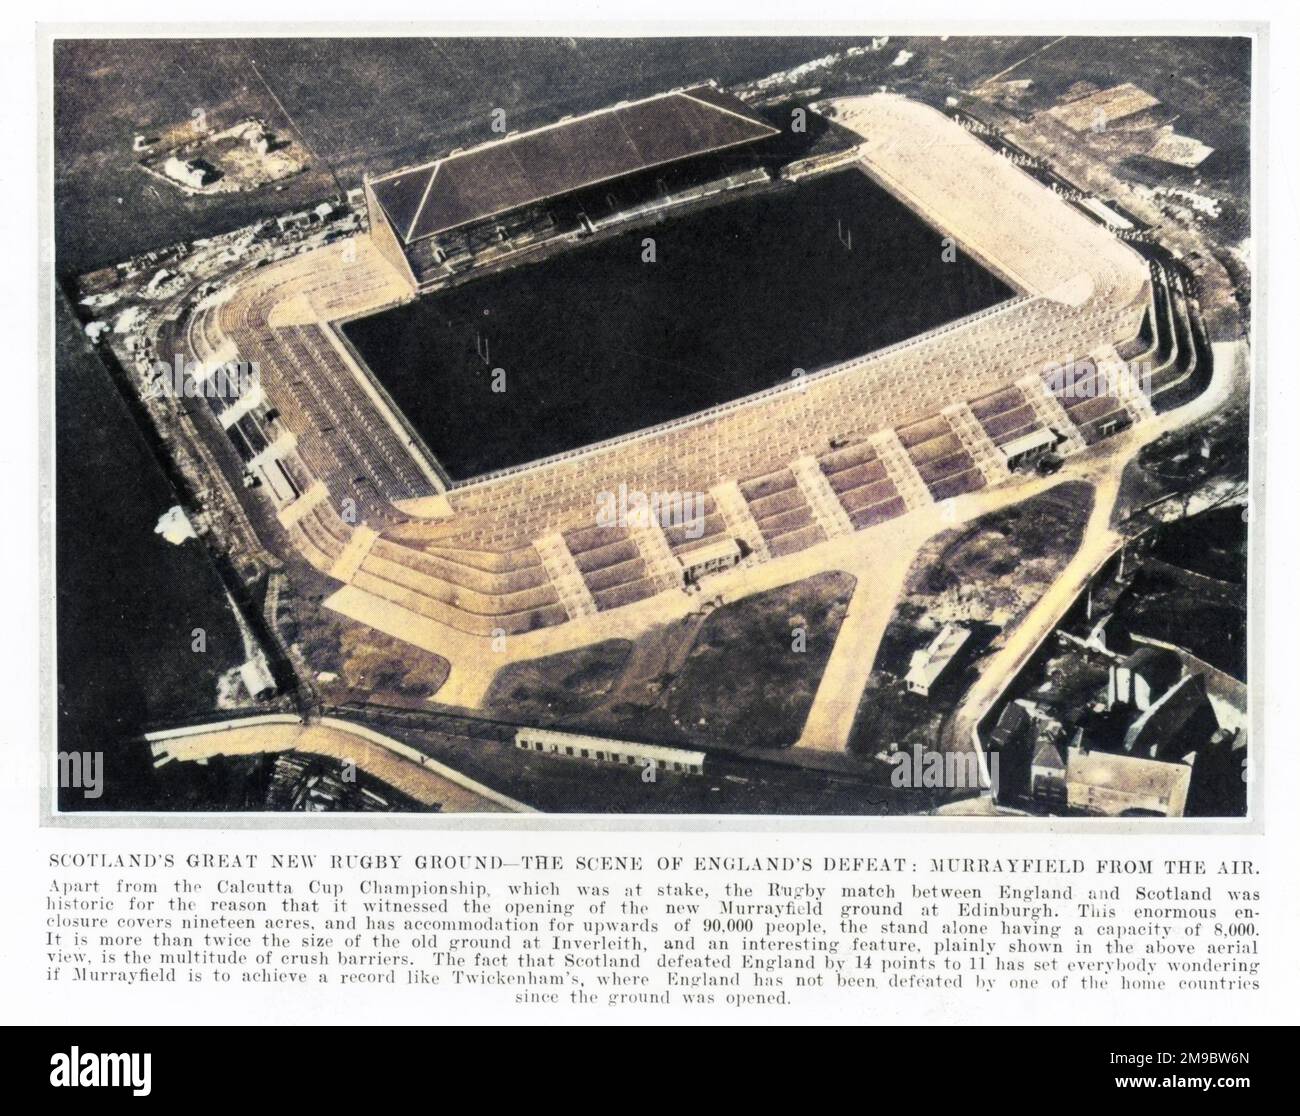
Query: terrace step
x=291, y=513
x=565, y=576
x=825, y=505
x=254, y=397
x=1126, y=388
x=977, y=443
x=901, y=469
x=1050, y=413
x=281, y=447
x=662, y=565
x=347, y=564
x=739, y=519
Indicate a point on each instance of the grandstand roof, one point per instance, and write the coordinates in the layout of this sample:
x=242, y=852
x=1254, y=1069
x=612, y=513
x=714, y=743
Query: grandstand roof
x=469, y=186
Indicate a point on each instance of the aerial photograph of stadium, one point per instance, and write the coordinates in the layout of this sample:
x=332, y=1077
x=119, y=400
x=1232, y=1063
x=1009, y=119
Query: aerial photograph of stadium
x=651, y=426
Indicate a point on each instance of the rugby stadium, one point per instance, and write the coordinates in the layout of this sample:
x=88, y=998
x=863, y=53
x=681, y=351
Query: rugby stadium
x=437, y=518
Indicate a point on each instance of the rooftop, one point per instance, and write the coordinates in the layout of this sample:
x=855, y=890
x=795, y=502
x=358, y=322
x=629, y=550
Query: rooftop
x=468, y=186
x=1113, y=783
x=1105, y=106
x=608, y=744
x=1159, y=666
x=1048, y=755
x=725, y=549
x=1027, y=443
x=1180, y=722
x=926, y=666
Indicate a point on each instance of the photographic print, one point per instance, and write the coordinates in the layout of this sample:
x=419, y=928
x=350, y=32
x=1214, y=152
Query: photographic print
x=682, y=425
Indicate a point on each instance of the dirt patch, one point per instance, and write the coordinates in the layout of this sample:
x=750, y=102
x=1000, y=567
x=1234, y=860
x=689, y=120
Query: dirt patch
x=543, y=691
x=754, y=668
x=1187, y=469
x=985, y=576
x=353, y=662
x=994, y=568
x=246, y=156
x=740, y=676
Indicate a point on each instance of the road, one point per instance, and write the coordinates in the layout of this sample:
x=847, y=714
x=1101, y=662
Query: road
x=881, y=566
x=884, y=557
x=392, y=762
x=1104, y=467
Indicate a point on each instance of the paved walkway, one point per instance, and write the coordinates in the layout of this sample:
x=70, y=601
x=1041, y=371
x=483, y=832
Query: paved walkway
x=881, y=569
x=888, y=554
x=878, y=557
x=1100, y=541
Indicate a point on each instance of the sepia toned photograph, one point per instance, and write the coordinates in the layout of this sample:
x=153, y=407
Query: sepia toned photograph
x=695, y=425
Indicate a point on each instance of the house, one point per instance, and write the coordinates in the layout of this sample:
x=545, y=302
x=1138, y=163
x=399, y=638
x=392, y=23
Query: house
x=194, y=173
x=293, y=222
x=1221, y=777
x=257, y=679
x=718, y=556
x=1029, y=448
x=603, y=749
x=259, y=139
x=1010, y=740
x=1047, y=772
x=1012, y=725
x=160, y=279
x=1112, y=784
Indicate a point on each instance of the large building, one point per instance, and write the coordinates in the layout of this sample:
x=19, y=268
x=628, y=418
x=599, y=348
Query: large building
x=430, y=217
x=847, y=447
x=601, y=749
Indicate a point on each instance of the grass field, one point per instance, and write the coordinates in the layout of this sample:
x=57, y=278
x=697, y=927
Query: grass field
x=374, y=105
x=597, y=342
x=361, y=105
